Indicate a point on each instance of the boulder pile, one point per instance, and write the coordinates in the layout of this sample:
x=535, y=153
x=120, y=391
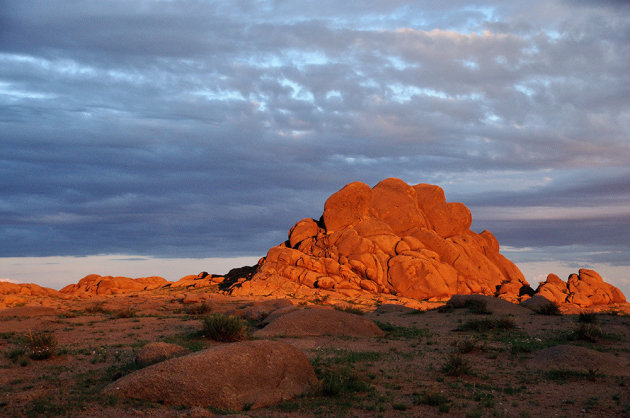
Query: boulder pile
x=93, y=284
x=390, y=241
x=584, y=289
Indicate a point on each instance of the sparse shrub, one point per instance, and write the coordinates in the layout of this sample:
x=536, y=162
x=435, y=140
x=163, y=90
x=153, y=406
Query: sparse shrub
x=479, y=307
x=96, y=307
x=467, y=346
x=15, y=354
x=548, y=309
x=127, y=312
x=562, y=375
x=448, y=308
x=225, y=328
x=350, y=309
x=198, y=309
x=433, y=399
x=588, y=332
x=40, y=345
x=343, y=380
x=588, y=318
x=395, y=331
x=482, y=325
x=456, y=365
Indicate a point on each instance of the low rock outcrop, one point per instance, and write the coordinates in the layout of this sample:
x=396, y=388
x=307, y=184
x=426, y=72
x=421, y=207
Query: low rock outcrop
x=320, y=321
x=108, y=285
x=392, y=241
x=250, y=374
x=584, y=289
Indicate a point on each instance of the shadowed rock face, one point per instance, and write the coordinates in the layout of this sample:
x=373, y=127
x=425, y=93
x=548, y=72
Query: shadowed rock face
x=392, y=239
x=584, y=289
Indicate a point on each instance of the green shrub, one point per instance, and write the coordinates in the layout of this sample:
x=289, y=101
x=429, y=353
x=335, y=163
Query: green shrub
x=225, y=328
x=395, y=331
x=40, y=345
x=456, y=365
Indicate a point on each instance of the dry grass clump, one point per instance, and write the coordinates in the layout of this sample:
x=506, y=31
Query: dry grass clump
x=588, y=332
x=224, y=328
x=456, y=365
x=478, y=307
x=482, y=325
x=588, y=318
x=548, y=309
x=40, y=345
x=198, y=309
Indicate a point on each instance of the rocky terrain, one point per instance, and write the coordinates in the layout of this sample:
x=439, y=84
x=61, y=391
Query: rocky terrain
x=387, y=305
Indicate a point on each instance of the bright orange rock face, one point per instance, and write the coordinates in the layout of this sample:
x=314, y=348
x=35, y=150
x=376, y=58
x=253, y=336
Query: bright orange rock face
x=392, y=239
x=587, y=288
x=108, y=285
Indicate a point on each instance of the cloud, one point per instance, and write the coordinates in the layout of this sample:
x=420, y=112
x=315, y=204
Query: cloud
x=196, y=129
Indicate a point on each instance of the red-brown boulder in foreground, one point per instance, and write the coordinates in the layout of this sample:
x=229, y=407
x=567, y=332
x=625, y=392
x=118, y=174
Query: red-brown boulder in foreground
x=587, y=288
x=250, y=374
x=391, y=241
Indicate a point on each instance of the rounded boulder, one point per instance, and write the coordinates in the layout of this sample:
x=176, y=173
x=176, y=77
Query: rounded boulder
x=242, y=375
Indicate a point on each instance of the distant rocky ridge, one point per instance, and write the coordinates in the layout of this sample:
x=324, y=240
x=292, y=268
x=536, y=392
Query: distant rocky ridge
x=393, y=243
x=587, y=288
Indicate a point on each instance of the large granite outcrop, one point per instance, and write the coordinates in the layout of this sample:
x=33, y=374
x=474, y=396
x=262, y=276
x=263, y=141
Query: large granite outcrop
x=392, y=240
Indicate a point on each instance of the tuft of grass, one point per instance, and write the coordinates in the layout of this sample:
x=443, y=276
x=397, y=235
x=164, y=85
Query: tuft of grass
x=225, y=328
x=478, y=307
x=563, y=375
x=335, y=382
x=548, y=309
x=14, y=354
x=398, y=332
x=198, y=309
x=40, y=345
x=96, y=307
x=456, y=365
x=127, y=312
x=467, y=346
x=483, y=325
x=588, y=318
x=588, y=332
x=350, y=309
x=433, y=399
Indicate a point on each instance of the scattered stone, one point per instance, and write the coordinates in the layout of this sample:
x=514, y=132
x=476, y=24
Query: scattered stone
x=108, y=285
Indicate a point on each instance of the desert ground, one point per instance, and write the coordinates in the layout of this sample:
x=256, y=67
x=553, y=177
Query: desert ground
x=487, y=358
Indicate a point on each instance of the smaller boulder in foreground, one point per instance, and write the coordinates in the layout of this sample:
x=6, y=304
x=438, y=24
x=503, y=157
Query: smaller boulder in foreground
x=243, y=375
x=320, y=321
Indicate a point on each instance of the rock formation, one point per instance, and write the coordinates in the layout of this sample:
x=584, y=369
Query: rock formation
x=392, y=240
x=584, y=289
x=94, y=284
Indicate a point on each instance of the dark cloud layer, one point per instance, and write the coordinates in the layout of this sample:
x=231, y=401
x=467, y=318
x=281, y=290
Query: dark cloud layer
x=200, y=128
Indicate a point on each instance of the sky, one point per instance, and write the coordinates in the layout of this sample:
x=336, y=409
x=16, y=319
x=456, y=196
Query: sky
x=160, y=137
